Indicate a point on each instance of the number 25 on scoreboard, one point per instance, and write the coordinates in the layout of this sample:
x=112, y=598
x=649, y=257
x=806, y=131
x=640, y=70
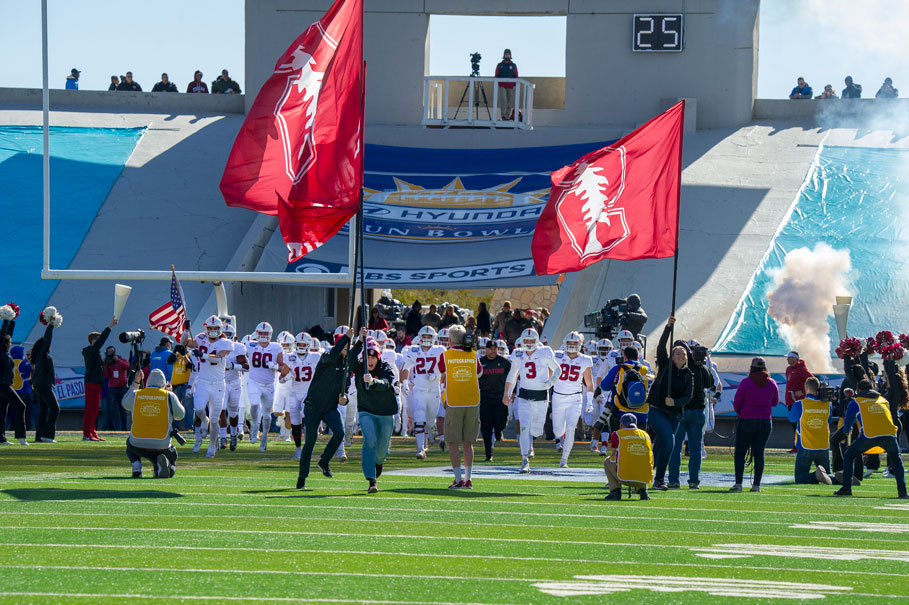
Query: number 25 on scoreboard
x=657, y=33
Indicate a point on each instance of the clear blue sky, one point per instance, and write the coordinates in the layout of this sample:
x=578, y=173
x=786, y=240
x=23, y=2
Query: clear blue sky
x=822, y=40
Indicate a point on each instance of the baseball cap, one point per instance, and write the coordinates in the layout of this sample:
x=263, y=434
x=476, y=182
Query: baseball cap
x=75, y=71
x=629, y=420
x=491, y=343
x=759, y=363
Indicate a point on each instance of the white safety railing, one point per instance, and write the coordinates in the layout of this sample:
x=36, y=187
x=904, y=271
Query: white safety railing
x=466, y=102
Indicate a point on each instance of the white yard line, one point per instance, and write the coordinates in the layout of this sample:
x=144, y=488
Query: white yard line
x=484, y=557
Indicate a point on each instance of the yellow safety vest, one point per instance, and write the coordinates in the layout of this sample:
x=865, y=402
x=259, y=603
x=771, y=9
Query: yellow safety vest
x=180, y=374
x=462, y=389
x=634, y=458
x=150, y=415
x=17, y=376
x=642, y=370
x=813, y=427
x=875, y=417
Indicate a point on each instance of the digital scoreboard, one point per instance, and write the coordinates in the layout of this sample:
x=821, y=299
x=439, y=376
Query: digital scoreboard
x=657, y=33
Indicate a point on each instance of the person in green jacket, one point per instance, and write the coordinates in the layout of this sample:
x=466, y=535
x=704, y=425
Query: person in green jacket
x=223, y=84
x=376, y=405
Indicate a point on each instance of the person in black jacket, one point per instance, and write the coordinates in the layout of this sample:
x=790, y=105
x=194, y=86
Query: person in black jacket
x=321, y=405
x=44, y=379
x=493, y=413
x=484, y=321
x=670, y=393
x=376, y=406
x=694, y=416
x=8, y=395
x=414, y=320
x=94, y=381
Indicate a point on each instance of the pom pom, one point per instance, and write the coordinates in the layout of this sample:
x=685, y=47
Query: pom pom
x=892, y=352
x=7, y=313
x=48, y=314
x=869, y=345
x=883, y=340
x=14, y=307
x=58, y=320
x=851, y=347
x=904, y=340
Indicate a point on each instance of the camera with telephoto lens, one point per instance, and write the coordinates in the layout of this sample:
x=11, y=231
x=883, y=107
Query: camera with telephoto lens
x=475, y=62
x=136, y=336
x=470, y=342
x=699, y=354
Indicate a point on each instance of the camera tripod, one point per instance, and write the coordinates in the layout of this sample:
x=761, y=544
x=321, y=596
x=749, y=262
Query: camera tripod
x=478, y=90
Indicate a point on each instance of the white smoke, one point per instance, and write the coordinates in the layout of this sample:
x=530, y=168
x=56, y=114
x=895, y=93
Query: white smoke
x=801, y=300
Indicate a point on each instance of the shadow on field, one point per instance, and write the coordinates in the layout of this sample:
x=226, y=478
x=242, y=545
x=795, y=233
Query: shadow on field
x=50, y=493
x=457, y=493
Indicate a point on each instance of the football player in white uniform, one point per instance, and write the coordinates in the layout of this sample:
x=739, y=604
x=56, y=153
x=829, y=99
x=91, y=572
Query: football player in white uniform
x=424, y=374
x=210, y=351
x=283, y=387
x=396, y=361
x=607, y=357
x=536, y=368
x=265, y=358
x=302, y=365
x=236, y=363
x=502, y=348
x=568, y=393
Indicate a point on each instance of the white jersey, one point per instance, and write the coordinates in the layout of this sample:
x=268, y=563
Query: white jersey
x=613, y=358
x=571, y=374
x=260, y=357
x=423, y=366
x=533, y=369
x=302, y=368
x=233, y=376
x=211, y=370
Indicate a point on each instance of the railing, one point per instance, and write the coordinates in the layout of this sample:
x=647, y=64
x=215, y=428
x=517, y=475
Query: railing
x=465, y=102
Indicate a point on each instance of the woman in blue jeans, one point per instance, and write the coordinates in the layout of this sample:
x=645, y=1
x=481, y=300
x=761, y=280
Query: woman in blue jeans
x=754, y=400
x=692, y=422
x=376, y=405
x=670, y=392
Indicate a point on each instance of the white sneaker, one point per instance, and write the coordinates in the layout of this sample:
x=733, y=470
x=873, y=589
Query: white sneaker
x=563, y=464
x=421, y=455
x=23, y=442
x=5, y=442
x=46, y=440
x=703, y=452
x=298, y=454
x=211, y=452
x=263, y=446
x=197, y=447
x=525, y=465
x=593, y=447
x=531, y=454
x=253, y=439
x=887, y=474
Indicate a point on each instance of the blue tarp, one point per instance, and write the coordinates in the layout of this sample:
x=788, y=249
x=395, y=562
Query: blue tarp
x=450, y=217
x=855, y=199
x=84, y=164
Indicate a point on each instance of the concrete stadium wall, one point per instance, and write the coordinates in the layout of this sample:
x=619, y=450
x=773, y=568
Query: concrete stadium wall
x=606, y=83
x=124, y=102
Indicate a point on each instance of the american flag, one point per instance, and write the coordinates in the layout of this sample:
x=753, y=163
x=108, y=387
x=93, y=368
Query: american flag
x=171, y=316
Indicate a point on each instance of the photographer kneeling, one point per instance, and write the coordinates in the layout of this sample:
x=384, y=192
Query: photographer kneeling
x=811, y=416
x=153, y=412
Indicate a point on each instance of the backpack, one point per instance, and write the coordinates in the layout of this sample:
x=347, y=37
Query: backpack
x=631, y=387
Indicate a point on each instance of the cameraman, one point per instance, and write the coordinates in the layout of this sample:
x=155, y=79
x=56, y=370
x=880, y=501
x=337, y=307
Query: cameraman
x=507, y=69
x=632, y=315
x=811, y=416
x=153, y=411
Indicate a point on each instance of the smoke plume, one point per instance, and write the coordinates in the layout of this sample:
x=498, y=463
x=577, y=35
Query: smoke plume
x=804, y=292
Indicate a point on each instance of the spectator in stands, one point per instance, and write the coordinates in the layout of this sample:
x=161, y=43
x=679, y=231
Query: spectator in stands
x=544, y=316
x=114, y=83
x=471, y=325
x=224, y=85
x=449, y=318
x=531, y=316
x=507, y=69
x=432, y=319
x=852, y=90
x=197, y=85
x=828, y=93
x=887, y=91
x=72, y=80
x=376, y=321
x=45, y=378
x=401, y=339
x=796, y=375
x=801, y=91
x=165, y=85
x=116, y=370
x=127, y=83
x=812, y=435
x=755, y=398
x=155, y=413
x=8, y=396
x=94, y=381
x=502, y=318
x=414, y=319
x=484, y=320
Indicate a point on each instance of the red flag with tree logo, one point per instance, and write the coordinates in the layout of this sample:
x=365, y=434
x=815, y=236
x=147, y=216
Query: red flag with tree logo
x=299, y=152
x=619, y=202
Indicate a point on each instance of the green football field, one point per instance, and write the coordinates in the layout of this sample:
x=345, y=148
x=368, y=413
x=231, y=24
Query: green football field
x=75, y=527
